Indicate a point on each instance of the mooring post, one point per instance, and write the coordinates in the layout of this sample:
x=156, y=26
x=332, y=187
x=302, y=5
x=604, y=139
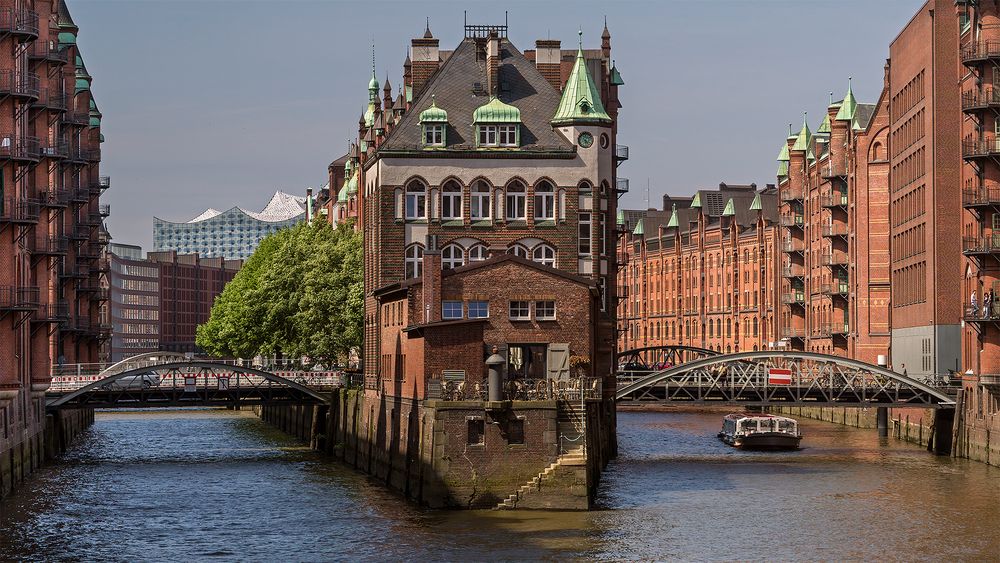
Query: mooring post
x=882, y=421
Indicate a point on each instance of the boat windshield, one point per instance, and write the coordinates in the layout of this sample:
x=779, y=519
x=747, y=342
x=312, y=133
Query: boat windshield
x=786, y=426
x=748, y=425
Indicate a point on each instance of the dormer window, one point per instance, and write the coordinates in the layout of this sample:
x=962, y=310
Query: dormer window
x=434, y=135
x=497, y=125
x=434, y=124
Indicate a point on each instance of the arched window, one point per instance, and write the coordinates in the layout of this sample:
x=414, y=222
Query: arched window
x=416, y=200
x=452, y=256
x=414, y=261
x=518, y=250
x=480, y=203
x=451, y=201
x=545, y=201
x=516, y=203
x=544, y=254
x=477, y=253
x=755, y=327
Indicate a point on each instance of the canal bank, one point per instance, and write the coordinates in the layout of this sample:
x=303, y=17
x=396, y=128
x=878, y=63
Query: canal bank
x=541, y=454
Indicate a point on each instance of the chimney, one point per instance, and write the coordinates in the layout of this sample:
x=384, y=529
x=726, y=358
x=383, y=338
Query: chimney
x=493, y=64
x=426, y=59
x=432, y=281
x=309, y=205
x=548, y=59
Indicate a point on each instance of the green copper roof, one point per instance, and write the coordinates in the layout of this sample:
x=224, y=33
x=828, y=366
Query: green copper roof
x=95, y=121
x=370, y=114
x=674, y=222
x=102, y=137
x=803, y=139
x=352, y=184
x=825, y=126
x=495, y=111
x=82, y=85
x=342, y=194
x=621, y=217
x=434, y=114
x=730, y=209
x=848, y=107
x=756, y=205
x=67, y=38
x=855, y=124
x=581, y=101
x=783, y=153
x=639, y=230
x=616, y=77
x=696, y=201
x=782, y=168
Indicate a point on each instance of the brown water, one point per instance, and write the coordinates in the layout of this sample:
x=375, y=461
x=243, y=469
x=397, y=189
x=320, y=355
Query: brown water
x=215, y=484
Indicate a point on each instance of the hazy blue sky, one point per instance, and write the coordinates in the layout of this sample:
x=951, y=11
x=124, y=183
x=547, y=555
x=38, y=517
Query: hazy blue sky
x=219, y=103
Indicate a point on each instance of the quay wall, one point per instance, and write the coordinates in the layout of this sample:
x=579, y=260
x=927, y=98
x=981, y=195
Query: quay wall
x=29, y=437
x=429, y=451
x=977, y=434
x=910, y=425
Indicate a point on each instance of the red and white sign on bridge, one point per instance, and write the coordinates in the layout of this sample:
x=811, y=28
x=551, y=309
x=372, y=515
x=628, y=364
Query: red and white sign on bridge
x=779, y=376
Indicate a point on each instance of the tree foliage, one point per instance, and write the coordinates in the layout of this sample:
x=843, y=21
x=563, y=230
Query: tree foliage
x=301, y=293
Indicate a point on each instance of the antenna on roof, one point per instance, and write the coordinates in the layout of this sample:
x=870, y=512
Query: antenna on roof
x=505, y=18
x=580, y=34
x=831, y=98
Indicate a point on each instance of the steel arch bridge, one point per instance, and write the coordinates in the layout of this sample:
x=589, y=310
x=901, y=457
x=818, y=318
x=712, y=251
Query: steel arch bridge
x=759, y=379
x=188, y=383
x=637, y=363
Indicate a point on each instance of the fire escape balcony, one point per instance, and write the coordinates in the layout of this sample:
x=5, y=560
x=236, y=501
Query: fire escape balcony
x=974, y=101
x=104, y=182
x=88, y=286
x=105, y=210
x=50, y=51
x=50, y=246
x=53, y=313
x=980, y=197
x=20, y=84
x=79, y=232
x=80, y=323
x=55, y=101
x=791, y=194
x=792, y=245
x=834, y=329
x=103, y=265
x=980, y=51
x=833, y=199
x=19, y=298
x=55, y=150
x=833, y=259
x=986, y=148
x=20, y=147
x=103, y=237
x=791, y=220
x=981, y=246
x=19, y=22
x=796, y=297
x=91, y=220
x=793, y=271
x=57, y=198
x=88, y=251
x=837, y=289
x=793, y=332
x=830, y=171
x=79, y=118
x=79, y=195
x=835, y=230
x=77, y=272
x=20, y=211
x=621, y=153
x=621, y=185
x=92, y=155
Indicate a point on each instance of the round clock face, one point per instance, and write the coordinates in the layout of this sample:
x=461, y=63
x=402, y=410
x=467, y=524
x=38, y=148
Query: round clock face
x=586, y=140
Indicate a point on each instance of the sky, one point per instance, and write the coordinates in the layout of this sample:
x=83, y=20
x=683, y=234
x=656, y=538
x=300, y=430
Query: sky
x=220, y=103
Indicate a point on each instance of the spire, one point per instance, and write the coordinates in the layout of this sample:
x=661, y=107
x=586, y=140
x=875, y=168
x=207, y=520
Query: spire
x=756, y=205
x=616, y=77
x=825, y=126
x=639, y=230
x=606, y=34
x=674, y=221
x=696, y=201
x=387, y=89
x=427, y=30
x=805, y=135
x=730, y=209
x=849, y=106
x=581, y=100
x=373, y=83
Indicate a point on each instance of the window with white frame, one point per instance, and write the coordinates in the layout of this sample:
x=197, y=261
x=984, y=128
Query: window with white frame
x=516, y=202
x=507, y=135
x=416, y=201
x=451, y=310
x=452, y=256
x=451, y=201
x=519, y=250
x=487, y=135
x=434, y=135
x=414, y=259
x=545, y=310
x=545, y=201
x=585, y=233
x=520, y=310
x=479, y=205
x=477, y=253
x=479, y=309
x=544, y=254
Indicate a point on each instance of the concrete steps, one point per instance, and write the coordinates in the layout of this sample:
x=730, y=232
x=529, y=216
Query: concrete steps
x=574, y=457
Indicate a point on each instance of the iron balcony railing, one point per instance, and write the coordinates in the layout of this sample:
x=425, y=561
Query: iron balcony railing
x=981, y=245
x=833, y=199
x=92, y=220
x=793, y=298
x=835, y=230
x=981, y=99
x=20, y=211
x=838, y=288
x=51, y=246
x=55, y=150
x=980, y=51
x=88, y=286
x=981, y=148
x=79, y=195
x=56, y=101
x=834, y=170
x=41, y=51
x=975, y=197
x=791, y=194
x=20, y=83
x=833, y=259
x=20, y=22
x=105, y=210
x=92, y=155
x=791, y=220
x=19, y=298
x=793, y=271
x=104, y=182
x=57, y=312
x=621, y=185
x=793, y=332
x=77, y=117
x=20, y=147
x=80, y=323
x=575, y=389
x=79, y=232
x=88, y=251
x=792, y=245
x=54, y=198
x=621, y=153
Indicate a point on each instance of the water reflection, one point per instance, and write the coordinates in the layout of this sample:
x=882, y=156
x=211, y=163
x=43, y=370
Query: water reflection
x=220, y=484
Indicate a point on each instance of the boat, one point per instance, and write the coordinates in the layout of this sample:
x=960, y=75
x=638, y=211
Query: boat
x=755, y=431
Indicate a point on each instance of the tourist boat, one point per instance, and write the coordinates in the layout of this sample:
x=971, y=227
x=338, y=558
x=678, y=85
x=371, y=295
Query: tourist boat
x=754, y=431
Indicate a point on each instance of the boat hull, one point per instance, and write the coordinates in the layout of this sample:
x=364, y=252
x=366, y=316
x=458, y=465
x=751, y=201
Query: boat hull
x=763, y=441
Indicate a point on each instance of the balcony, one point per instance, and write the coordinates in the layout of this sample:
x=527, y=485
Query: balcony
x=79, y=232
x=621, y=185
x=791, y=194
x=834, y=289
x=104, y=182
x=20, y=211
x=88, y=286
x=88, y=252
x=19, y=298
x=980, y=149
x=79, y=195
x=57, y=312
x=831, y=171
x=833, y=199
x=793, y=271
x=103, y=237
x=833, y=259
x=91, y=155
x=20, y=147
x=834, y=329
x=20, y=84
x=972, y=246
x=51, y=52
x=980, y=51
x=980, y=197
x=54, y=198
x=91, y=220
x=974, y=101
x=55, y=150
x=56, y=101
x=793, y=332
x=22, y=23
x=50, y=246
x=77, y=272
x=621, y=153
x=77, y=117
x=793, y=298
x=835, y=230
x=791, y=220
x=792, y=245
x=105, y=210
x=80, y=323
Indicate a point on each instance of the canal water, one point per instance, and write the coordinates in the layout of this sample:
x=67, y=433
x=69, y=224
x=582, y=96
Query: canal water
x=217, y=484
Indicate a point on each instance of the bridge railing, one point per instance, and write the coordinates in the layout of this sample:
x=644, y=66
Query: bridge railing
x=179, y=380
x=573, y=389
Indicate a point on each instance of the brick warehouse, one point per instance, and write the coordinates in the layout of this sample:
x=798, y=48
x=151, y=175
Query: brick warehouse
x=51, y=234
x=486, y=191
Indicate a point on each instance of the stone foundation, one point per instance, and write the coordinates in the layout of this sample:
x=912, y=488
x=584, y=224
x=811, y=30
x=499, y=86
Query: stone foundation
x=978, y=434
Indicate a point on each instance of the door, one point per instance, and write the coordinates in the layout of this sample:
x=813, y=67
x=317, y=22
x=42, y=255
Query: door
x=557, y=362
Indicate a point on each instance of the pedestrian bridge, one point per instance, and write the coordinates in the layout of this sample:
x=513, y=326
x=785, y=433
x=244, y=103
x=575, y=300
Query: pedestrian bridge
x=776, y=379
x=170, y=380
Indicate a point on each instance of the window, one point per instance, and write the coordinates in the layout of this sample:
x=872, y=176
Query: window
x=477, y=431
x=584, y=234
x=452, y=256
x=434, y=135
x=451, y=310
x=487, y=135
x=480, y=202
x=508, y=135
x=603, y=233
x=451, y=200
x=518, y=250
x=544, y=254
x=520, y=311
x=545, y=310
x=414, y=261
x=416, y=201
x=516, y=201
x=477, y=253
x=479, y=309
x=515, y=431
x=545, y=201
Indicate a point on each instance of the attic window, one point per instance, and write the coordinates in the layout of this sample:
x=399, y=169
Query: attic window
x=498, y=135
x=434, y=135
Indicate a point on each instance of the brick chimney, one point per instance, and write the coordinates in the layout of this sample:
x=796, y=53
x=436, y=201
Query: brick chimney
x=493, y=64
x=432, y=281
x=426, y=59
x=548, y=57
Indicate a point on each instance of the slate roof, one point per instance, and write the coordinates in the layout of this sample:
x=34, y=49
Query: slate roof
x=863, y=115
x=453, y=89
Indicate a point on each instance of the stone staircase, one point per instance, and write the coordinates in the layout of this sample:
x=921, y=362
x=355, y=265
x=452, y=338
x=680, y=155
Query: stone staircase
x=574, y=458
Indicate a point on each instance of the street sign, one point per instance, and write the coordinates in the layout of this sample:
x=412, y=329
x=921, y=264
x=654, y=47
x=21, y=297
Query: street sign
x=779, y=376
x=190, y=384
x=223, y=383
